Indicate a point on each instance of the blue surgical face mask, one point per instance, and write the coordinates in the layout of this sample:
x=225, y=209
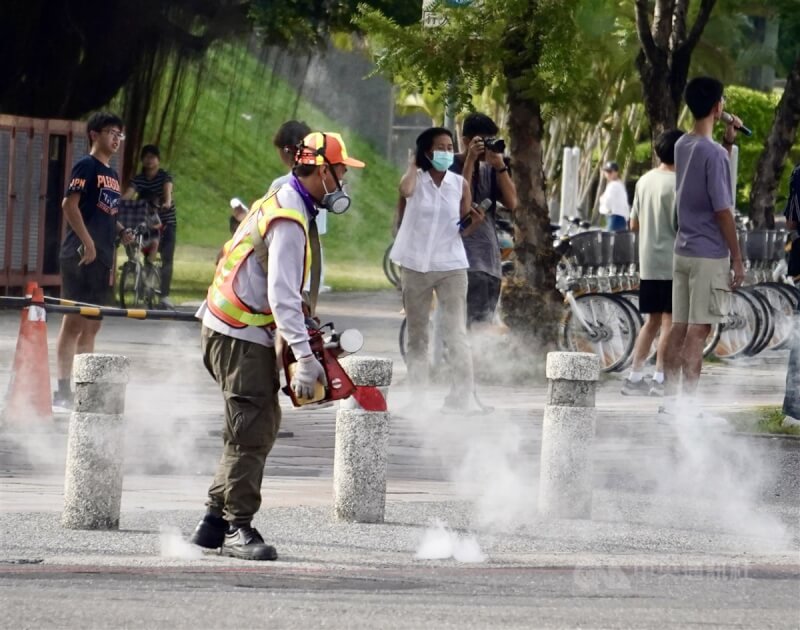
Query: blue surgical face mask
x=442, y=160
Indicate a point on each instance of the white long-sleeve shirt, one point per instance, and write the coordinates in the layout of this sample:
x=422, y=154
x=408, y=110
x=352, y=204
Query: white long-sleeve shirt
x=279, y=289
x=614, y=199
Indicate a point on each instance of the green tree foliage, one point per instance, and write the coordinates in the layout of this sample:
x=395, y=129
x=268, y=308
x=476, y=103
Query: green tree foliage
x=534, y=52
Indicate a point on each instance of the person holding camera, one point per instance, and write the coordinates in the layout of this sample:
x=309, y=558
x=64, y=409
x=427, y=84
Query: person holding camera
x=487, y=173
x=429, y=248
x=791, y=399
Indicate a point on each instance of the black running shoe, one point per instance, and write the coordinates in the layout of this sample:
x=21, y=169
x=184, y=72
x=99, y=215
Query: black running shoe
x=210, y=532
x=247, y=544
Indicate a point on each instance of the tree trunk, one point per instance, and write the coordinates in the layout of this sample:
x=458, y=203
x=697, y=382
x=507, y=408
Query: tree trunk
x=665, y=55
x=776, y=148
x=531, y=303
x=661, y=108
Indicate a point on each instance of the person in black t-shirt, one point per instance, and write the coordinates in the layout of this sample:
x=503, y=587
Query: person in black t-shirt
x=154, y=181
x=87, y=253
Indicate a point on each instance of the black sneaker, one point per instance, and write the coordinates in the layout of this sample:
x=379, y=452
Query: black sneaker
x=639, y=388
x=62, y=402
x=247, y=544
x=210, y=532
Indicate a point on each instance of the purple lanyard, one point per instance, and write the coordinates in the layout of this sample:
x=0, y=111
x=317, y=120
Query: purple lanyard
x=308, y=200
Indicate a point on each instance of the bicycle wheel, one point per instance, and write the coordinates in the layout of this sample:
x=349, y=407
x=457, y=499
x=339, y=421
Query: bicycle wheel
x=767, y=329
x=402, y=339
x=712, y=340
x=602, y=325
x=391, y=270
x=782, y=311
x=630, y=299
x=151, y=280
x=130, y=290
x=434, y=359
x=741, y=327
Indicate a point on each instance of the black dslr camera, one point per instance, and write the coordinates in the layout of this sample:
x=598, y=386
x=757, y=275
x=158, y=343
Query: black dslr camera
x=495, y=145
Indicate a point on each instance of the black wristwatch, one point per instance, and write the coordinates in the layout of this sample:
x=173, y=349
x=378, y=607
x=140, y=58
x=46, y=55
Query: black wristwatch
x=501, y=170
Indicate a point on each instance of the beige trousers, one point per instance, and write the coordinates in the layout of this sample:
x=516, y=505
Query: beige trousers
x=450, y=288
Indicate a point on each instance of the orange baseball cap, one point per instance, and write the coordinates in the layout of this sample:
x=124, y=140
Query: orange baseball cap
x=320, y=146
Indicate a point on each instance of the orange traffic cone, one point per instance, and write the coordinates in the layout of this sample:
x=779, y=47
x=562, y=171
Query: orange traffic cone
x=29, y=389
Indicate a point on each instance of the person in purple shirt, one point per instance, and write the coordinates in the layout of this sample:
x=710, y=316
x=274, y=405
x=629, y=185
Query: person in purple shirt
x=706, y=247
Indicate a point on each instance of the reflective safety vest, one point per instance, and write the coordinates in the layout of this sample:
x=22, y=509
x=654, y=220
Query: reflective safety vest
x=247, y=241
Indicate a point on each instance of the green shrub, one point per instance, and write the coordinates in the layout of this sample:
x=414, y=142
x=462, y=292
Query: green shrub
x=757, y=110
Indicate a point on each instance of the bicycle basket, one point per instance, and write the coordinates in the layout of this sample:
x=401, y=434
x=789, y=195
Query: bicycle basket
x=772, y=244
x=626, y=251
x=607, y=253
x=587, y=248
x=758, y=245
x=778, y=252
x=743, y=240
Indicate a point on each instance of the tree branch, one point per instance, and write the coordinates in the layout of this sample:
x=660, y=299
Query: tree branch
x=680, y=10
x=644, y=32
x=663, y=22
x=706, y=7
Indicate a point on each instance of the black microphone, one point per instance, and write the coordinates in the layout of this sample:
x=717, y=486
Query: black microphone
x=727, y=118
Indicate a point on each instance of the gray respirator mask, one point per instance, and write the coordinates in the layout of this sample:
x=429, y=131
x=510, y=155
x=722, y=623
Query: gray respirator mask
x=337, y=201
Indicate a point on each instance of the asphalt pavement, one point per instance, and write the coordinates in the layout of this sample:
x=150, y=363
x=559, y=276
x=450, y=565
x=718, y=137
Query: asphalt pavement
x=692, y=524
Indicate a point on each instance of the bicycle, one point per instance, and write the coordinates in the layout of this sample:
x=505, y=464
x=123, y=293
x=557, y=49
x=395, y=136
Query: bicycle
x=140, y=280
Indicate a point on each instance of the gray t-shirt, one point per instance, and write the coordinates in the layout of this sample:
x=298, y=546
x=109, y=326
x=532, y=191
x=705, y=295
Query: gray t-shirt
x=654, y=209
x=703, y=176
x=482, y=246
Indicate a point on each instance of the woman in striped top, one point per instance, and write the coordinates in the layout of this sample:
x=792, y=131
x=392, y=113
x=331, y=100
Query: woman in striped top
x=155, y=182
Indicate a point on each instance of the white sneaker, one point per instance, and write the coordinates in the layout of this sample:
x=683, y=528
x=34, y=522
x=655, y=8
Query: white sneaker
x=789, y=422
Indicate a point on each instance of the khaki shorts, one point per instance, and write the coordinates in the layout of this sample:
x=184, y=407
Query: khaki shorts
x=700, y=290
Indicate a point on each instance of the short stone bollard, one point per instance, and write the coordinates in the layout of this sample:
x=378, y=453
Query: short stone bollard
x=565, y=482
x=362, y=443
x=93, y=483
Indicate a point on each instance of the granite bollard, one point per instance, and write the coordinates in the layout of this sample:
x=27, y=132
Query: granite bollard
x=362, y=444
x=565, y=482
x=93, y=480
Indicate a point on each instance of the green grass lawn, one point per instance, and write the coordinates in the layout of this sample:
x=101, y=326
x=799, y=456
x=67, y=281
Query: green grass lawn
x=762, y=419
x=225, y=150
x=194, y=270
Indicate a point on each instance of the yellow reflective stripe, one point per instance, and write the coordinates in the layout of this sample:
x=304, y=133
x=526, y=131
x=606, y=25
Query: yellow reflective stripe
x=249, y=319
x=136, y=313
x=235, y=253
x=89, y=311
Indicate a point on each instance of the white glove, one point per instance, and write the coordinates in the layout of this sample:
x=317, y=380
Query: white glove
x=308, y=372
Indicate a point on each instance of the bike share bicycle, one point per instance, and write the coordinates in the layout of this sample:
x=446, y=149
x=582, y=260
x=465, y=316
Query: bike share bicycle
x=140, y=275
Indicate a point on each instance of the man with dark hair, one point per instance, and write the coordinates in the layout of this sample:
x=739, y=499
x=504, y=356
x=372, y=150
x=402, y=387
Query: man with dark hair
x=653, y=216
x=488, y=175
x=706, y=246
x=156, y=183
x=288, y=136
x=87, y=253
x=254, y=297
x=791, y=400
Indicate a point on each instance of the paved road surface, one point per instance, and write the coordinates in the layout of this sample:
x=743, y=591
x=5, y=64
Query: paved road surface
x=691, y=526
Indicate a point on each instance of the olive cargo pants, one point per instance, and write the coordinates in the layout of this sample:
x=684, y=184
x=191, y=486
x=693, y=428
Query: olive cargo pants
x=247, y=373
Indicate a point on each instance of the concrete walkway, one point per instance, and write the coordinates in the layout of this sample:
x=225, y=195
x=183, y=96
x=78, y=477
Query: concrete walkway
x=691, y=524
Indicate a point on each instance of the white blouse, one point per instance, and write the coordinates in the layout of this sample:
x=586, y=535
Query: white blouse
x=614, y=199
x=429, y=238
